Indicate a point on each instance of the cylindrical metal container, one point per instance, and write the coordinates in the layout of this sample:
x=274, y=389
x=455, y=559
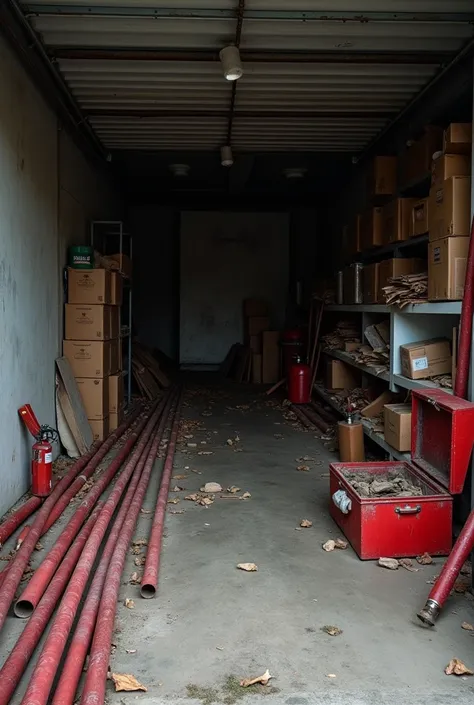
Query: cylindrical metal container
x=299, y=383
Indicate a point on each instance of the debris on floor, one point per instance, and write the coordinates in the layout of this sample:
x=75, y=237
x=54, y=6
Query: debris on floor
x=331, y=630
x=407, y=563
x=390, y=484
x=389, y=563
x=248, y=567
x=211, y=487
x=306, y=524
x=126, y=682
x=457, y=668
x=468, y=627
x=425, y=559
x=332, y=544
x=263, y=679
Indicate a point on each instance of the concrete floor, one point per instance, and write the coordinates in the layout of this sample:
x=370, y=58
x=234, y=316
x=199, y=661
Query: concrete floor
x=211, y=622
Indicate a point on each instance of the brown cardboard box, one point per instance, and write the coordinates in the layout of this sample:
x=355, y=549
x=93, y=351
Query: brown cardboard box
x=89, y=286
x=449, y=165
x=124, y=264
x=87, y=322
x=371, y=283
x=350, y=347
x=254, y=325
x=116, y=289
x=114, y=350
x=389, y=268
x=100, y=428
x=396, y=220
x=256, y=344
x=88, y=358
x=115, y=401
x=376, y=405
x=447, y=260
x=458, y=138
x=371, y=228
x=270, y=356
x=415, y=162
x=339, y=375
x=450, y=209
x=115, y=419
x=382, y=177
x=115, y=321
x=256, y=368
x=426, y=358
x=419, y=217
x=397, y=426
x=95, y=396
x=255, y=307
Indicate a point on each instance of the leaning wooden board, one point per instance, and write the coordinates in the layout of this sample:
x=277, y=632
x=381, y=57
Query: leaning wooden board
x=72, y=406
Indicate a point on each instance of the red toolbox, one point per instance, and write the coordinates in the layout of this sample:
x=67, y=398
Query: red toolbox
x=441, y=445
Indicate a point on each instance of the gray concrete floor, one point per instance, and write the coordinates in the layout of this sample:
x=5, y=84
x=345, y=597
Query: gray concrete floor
x=210, y=621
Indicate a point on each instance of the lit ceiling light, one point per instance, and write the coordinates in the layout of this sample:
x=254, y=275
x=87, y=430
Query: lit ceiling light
x=231, y=63
x=226, y=155
x=179, y=170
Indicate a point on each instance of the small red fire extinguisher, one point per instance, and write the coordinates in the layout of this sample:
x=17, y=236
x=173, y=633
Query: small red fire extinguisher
x=42, y=452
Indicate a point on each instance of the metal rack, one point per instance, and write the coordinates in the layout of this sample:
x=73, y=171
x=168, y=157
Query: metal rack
x=107, y=235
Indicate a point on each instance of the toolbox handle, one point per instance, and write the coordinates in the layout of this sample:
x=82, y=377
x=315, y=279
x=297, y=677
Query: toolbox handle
x=408, y=510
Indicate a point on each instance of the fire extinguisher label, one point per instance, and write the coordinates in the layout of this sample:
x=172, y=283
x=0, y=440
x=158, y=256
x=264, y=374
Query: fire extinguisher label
x=48, y=457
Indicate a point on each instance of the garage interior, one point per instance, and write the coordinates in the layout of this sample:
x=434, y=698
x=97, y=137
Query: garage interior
x=221, y=187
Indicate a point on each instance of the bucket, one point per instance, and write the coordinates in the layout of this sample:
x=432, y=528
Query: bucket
x=81, y=257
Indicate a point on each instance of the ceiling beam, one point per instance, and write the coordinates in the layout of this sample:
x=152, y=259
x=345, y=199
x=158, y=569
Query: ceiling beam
x=304, y=115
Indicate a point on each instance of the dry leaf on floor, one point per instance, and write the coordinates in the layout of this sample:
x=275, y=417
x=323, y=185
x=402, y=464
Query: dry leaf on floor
x=407, y=563
x=130, y=651
x=179, y=477
x=205, y=452
x=329, y=545
x=303, y=468
x=341, y=544
x=461, y=586
x=248, y=567
x=424, y=559
x=238, y=450
x=331, y=630
x=177, y=511
x=135, y=579
x=177, y=488
x=140, y=542
x=230, y=442
x=129, y=603
x=189, y=435
x=191, y=445
x=145, y=511
x=136, y=550
x=140, y=560
x=306, y=524
x=211, y=487
x=263, y=679
x=192, y=497
x=175, y=500
x=233, y=489
x=246, y=495
x=468, y=627
x=331, y=675
x=389, y=563
x=303, y=459
x=457, y=668
x=126, y=682
x=205, y=501
x=39, y=546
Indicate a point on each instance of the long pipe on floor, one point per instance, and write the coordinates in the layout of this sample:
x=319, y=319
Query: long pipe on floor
x=31, y=595
x=96, y=678
x=19, y=657
x=316, y=419
x=39, y=687
x=80, y=642
x=18, y=517
x=152, y=566
x=303, y=418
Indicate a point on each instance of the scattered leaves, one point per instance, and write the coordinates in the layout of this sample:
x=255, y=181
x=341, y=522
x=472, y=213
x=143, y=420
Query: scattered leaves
x=248, y=567
x=457, y=668
x=175, y=500
x=191, y=445
x=129, y=603
x=177, y=488
x=306, y=524
x=179, y=477
x=389, y=563
x=303, y=468
x=341, y=544
x=205, y=452
x=263, y=679
x=192, y=497
x=177, y=511
x=329, y=545
x=140, y=560
x=407, y=563
x=135, y=578
x=127, y=682
x=331, y=630
x=230, y=442
x=140, y=542
x=468, y=627
x=233, y=489
x=205, y=501
x=424, y=559
x=246, y=495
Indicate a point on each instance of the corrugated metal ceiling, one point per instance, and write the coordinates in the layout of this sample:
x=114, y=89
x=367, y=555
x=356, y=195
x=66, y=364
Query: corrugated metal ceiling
x=145, y=73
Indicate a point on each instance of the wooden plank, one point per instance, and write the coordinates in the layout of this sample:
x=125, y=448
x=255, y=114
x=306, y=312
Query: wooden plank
x=72, y=406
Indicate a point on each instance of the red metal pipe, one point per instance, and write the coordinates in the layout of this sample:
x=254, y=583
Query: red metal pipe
x=18, y=517
x=95, y=684
x=19, y=563
x=39, y=687
x=19, y=657
x=152, y=566
x=80, y=642
x=31, y=595
x=22, y=536
x=315, y=419
x=303, y=418
x=464, y=350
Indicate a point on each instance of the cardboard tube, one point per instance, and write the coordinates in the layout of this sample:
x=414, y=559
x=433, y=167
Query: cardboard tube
x=351, y=442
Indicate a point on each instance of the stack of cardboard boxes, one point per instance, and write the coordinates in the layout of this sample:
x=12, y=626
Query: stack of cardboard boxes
x=264, y=343
x=93, y=345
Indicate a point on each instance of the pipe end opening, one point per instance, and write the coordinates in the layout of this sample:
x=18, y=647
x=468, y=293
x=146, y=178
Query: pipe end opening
x=147, y=591
x=23, y=609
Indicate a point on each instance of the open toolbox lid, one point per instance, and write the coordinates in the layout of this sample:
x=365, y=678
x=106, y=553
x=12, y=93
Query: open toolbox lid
x=442, y=436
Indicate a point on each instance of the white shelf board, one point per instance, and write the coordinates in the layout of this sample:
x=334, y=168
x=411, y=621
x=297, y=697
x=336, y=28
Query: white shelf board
x=345, y=357
x=358, y=308
x=407, y=383
x=452, y=308
x=380, y=440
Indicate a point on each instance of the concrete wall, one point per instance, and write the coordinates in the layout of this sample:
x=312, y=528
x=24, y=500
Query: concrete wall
x=47, y=193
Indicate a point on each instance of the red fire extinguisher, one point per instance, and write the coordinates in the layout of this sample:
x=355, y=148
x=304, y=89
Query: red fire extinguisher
x=299, y=383
x=42, y=452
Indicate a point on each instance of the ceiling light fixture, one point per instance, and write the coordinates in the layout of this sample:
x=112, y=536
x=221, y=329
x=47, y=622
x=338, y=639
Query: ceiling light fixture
x=231, y=63
x=226, y=155
x=179, y=170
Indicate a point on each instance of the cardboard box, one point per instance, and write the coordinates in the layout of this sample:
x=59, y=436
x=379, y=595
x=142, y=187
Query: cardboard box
x=397, y=426
x=115, y=419
x=371, y=283
x=123, y=264
x=89, y=286
x=350, y=347
x=389, y=268
x=116, y=289
x=255, y=307
x=115, y=323
x=339, y=375
x=116, y=393
x=255, y=344
x=87, y=322
x=415, y=162
x=426, y=358
x=88, y=358
x=257, y=368
x=95, y=396
x=254, y=325
x=114, y=352
x=447, y=260
x=371, y=228
x=419, y=217
x=99, y=428
x=458, y=138
x=270, y=357
x=396, y=220
x=450, y=209
x=382, y=177
x=376, y=405
x=449, y=165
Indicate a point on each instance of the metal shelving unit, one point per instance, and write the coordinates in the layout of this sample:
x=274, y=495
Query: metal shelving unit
x=111, y=234
x=345, y=357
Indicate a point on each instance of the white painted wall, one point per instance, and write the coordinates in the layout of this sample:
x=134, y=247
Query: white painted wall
x=47, y=194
